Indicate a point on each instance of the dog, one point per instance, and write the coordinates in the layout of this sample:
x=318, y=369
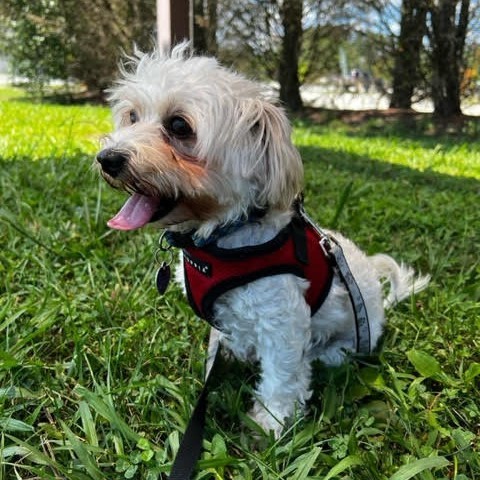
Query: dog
x=207, y=157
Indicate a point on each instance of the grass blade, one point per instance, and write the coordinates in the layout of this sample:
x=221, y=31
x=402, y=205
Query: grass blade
x=107, y=412
x=346, y=463
x=88, y=424
x=342, y=202
x=410, y=470
x=81, y=449
x=306, y=461
x=13, y=425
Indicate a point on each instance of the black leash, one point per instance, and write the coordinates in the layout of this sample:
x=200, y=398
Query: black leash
x=191, y=445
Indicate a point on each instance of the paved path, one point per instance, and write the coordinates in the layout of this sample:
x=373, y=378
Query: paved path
x=320, y=96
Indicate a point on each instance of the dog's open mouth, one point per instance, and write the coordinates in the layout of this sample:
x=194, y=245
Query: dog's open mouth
x=139, y=210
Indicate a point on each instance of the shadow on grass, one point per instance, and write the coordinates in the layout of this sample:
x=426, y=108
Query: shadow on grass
x=399, y=122
x=371, y=168
x=428, y=219
x=20, y=93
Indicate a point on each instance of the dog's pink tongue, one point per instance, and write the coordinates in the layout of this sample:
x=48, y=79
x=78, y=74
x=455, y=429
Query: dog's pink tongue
x=137, y=212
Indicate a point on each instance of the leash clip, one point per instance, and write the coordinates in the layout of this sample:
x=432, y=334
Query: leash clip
x=326, y=246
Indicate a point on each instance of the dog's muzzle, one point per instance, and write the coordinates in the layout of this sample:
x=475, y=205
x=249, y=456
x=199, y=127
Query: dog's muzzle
x=112, y=161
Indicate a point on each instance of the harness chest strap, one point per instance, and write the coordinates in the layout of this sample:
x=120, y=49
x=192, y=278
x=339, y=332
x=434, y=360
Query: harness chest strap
x=211, y=271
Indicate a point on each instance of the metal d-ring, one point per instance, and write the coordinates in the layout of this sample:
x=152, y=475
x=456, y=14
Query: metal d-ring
x=163, y=247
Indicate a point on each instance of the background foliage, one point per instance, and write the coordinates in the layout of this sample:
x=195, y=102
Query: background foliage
x=73, y=39
x=418, y=48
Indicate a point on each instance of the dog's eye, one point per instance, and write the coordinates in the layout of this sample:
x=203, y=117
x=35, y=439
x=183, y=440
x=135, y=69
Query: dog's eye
x=179, y=127
x=133, y=116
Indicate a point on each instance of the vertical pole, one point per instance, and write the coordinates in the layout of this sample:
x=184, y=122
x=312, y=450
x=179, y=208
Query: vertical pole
x=174, y=22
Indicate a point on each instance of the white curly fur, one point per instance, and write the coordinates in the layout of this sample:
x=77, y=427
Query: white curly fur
x=241, y=157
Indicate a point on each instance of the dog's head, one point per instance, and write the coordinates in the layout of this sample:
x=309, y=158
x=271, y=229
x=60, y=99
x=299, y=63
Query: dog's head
x=195, y=145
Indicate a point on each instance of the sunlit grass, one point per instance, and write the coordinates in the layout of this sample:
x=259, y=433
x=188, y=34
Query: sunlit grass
x=10, y=93
x=42, y=130
x=446, y=155
x=98, y=374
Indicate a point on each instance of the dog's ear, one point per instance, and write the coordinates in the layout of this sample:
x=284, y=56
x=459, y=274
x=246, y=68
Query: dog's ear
x=278, y=163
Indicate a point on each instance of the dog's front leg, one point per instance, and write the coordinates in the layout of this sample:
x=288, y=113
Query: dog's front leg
x=285, y=372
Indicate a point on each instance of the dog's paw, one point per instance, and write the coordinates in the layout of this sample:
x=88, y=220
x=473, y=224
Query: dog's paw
x=267, y=420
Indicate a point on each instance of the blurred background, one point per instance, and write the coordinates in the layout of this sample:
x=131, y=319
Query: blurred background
x=364, y=54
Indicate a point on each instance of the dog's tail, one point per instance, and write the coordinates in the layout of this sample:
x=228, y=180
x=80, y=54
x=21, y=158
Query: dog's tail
x=402, y=279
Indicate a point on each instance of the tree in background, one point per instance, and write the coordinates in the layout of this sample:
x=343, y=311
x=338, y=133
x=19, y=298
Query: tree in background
x=436, y=30
x=82, y=39
x=250, y=33
x=449, y=20
x=326, y=26
x=291, y=13
x=407, y=55
x=101, y=30
x=205, y=26
x=289, y=41
x=35, y=38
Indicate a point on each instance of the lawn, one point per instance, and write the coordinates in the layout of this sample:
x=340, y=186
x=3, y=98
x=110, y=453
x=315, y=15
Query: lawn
x=98, y=373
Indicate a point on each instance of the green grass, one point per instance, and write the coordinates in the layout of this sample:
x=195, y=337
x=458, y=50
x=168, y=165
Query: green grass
x=98, y=374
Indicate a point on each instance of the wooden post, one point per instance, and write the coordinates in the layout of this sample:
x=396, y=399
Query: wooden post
x=174, y=22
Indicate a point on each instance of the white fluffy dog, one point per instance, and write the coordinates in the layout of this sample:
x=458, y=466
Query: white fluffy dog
x=206, y=156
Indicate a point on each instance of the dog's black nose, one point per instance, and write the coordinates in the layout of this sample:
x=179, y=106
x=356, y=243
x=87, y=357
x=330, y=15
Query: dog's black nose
x=112, y=161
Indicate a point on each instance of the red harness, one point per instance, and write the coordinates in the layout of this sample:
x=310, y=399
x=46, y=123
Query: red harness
x=211, y=271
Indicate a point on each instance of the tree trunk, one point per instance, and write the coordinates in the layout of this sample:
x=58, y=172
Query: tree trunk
x=205, y=26
x=199, y=27
x=448, y=42
x=406, y=70
x=291, y=14
x=212, y=12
